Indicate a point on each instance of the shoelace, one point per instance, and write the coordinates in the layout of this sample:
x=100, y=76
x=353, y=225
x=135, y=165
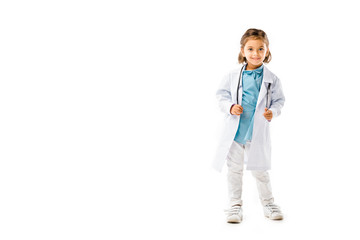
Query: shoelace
x=233, y=210
x=273, y=208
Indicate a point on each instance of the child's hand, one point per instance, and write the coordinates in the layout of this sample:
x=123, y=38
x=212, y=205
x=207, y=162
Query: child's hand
x=268, y=114
x=236, y=109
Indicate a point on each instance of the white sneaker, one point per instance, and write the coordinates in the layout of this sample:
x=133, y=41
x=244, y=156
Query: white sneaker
x=273, y=212
x=234, y=214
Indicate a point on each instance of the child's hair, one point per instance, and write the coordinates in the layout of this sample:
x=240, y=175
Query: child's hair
x=253, y=34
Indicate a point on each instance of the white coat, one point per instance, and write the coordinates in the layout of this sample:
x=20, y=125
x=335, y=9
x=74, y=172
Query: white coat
x=258, y=157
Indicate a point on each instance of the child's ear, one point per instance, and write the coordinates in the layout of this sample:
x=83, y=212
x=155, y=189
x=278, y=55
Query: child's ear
x=242, y=52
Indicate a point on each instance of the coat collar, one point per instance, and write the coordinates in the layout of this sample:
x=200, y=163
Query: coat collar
x=258, y=70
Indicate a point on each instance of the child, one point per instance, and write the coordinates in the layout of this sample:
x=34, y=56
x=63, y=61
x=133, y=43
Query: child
x=250, y=97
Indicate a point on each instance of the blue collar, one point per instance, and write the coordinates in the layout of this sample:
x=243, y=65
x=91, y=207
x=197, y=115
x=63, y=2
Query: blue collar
x=257, y=70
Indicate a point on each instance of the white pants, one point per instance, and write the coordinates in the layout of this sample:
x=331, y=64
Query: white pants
x=235, y=163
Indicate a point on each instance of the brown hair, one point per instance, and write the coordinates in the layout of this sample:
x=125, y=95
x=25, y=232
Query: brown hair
x=253, y=33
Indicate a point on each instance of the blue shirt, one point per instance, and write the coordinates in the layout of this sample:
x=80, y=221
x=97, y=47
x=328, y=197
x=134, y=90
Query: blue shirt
x=251, y=83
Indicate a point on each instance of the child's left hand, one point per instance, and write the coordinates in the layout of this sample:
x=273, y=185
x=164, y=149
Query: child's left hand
x=268, y=114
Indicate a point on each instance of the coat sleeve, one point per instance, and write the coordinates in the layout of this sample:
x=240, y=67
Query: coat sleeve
x=277, y=97
x=223, y=95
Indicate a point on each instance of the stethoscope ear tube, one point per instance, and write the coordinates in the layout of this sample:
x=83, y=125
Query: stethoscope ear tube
x=237, y=93
x=268, y=96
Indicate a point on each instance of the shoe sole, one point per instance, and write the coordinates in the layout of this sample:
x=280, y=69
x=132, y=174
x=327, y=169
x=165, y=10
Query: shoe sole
x=275, y=218
x=234, y=220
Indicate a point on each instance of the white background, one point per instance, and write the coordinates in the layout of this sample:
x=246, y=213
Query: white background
x=108, y=119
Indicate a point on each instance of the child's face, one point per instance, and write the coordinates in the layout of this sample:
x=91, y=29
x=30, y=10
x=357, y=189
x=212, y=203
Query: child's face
x=255, y=52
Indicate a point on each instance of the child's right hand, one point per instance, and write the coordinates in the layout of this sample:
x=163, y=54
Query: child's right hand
x=236, y=109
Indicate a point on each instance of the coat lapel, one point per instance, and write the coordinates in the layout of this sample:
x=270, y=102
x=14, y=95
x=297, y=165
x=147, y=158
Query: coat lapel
x=266, y=80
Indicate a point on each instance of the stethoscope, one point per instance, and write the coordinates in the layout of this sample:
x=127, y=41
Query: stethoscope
x=268, y=91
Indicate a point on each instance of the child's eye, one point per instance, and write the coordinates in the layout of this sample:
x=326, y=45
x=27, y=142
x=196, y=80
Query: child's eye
x=250, y=49
x=261, y=49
